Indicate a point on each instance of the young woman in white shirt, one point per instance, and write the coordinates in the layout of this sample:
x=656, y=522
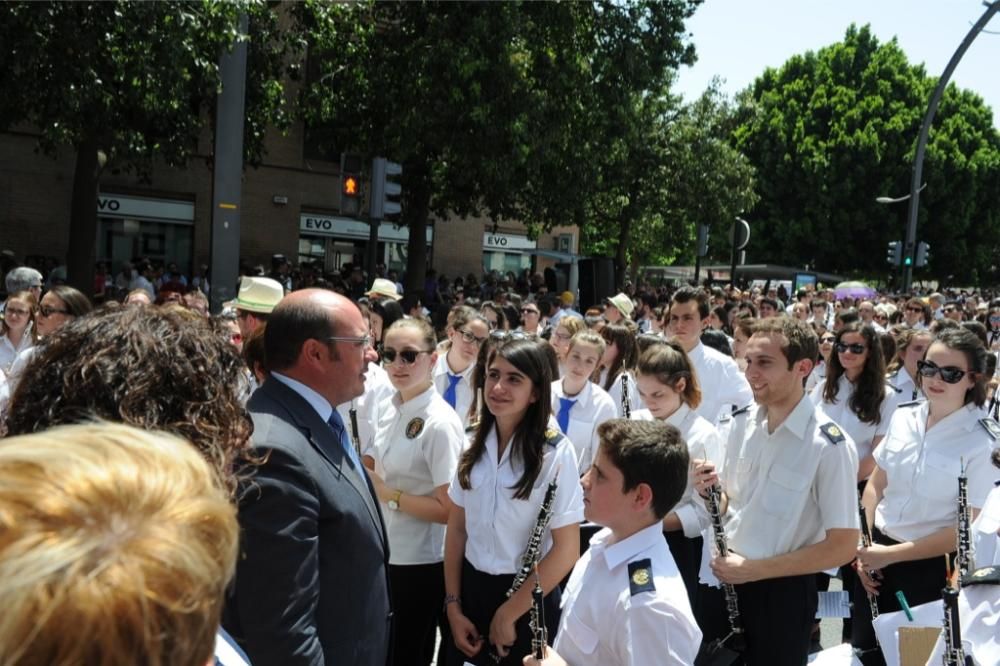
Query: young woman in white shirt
x=412, y=461
x=467, y=331
x=911, y=345
x=563, y=333
x=911, y=499
x=669, y=389
x=502, y=480
x=579, y=404
x=619, y=359
x=818, y=375
x=17, y=327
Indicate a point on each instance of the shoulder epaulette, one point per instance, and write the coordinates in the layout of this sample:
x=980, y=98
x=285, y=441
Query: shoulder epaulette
x=640, y=576
x=992, y=427
x=983, y=576
x=911, y=403
x=832, y=432
x=742, y=410
x=552, y=436
x=894, y=387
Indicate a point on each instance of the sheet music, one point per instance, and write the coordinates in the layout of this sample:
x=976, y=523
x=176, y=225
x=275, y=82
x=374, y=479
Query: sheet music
x=834, y=604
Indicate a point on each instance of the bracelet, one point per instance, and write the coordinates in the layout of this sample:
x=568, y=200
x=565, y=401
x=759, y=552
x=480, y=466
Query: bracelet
x=451, y=599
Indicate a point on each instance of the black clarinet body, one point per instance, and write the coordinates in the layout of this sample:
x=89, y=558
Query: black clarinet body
x=626, y=402
x=355, y=436
x=735, y=639
x=539, y=634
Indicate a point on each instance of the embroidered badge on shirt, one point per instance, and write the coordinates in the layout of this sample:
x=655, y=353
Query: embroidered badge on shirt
x=414, y=428
x=640, y=576
x=832, y=432
x=992, y=427
x=552, y=436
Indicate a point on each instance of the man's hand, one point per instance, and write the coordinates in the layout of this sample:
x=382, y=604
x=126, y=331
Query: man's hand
x=552, y=658
x=734, y=569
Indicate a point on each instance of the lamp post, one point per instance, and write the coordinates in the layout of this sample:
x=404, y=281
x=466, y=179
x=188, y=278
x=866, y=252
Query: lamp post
x=918, y=158
x=892, y=200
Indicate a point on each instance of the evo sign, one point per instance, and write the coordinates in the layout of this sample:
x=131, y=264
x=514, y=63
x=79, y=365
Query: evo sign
x=503, y=242
x=119, y=205
x=345, y=227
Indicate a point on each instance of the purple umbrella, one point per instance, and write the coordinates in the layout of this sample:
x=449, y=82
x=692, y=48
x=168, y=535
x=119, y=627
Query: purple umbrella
x=853, y=289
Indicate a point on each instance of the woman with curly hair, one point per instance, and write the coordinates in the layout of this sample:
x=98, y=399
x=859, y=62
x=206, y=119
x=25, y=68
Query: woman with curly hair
x=154, y=368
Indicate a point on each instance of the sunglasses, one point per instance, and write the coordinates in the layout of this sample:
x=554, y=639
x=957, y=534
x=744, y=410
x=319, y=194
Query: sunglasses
x=408, y=356
x=506, y=336
x=528, y=311
x=828, y=341
x=47, y=311
x=470, y=337
x=914, y=309
x=856, y=348
x=949, y=374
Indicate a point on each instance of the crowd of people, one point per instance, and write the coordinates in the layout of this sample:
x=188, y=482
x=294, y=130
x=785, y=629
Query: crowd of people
x=485, y=474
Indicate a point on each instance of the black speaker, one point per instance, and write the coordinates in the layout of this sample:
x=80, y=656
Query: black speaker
x=597, y=281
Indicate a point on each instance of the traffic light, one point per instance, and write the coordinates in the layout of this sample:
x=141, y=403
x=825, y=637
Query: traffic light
x=350, y=184
x=894, y=253
x=923, y=254
x=385, y=192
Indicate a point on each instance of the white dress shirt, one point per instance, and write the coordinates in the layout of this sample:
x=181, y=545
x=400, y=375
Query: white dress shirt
x=908, y=389
x=498, y=526
x=840, y=412
x=703, y=442
x=378, y=392
x=8, y=352
x=722, y=384
x=416, y=450
x=985, y=541
x=922, y=468
x=609, y=621
x=786, y=488
x=592, y=408
x=464, y=394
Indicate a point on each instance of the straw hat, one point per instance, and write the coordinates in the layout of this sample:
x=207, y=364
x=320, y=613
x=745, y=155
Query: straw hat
x=622, y=302
x=384, y=289
x=257, y=294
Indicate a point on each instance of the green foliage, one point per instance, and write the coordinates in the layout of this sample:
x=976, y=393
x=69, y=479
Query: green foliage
x=831, y=130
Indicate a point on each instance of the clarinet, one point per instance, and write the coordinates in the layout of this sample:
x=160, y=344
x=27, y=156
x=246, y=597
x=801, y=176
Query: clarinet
x=539, y=634
x=534, y=548
x=626, y=403
x=963, y=550
x=866, y=541
x=954, y=653
x=355, y=437
x=721, y=543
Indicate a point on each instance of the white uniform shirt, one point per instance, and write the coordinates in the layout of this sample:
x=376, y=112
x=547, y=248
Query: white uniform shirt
x=817, y=375
x=634, y=399
x=840, y=412
x=464, y=394
x=416, y=463
x=720, y=380
x=985, y=542
x=605, y=624
x=8, y=352
x=787, y=488
x=497, y=525
x=908, y=390
x=703, y=442
x=592, y=408
x=378, y=392
x=922, y=467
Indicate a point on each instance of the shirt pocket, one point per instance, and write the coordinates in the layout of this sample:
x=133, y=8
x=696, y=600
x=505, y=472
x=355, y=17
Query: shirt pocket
x=580, y=635
x=478, y=497
x=784, y=490
x=939, y=480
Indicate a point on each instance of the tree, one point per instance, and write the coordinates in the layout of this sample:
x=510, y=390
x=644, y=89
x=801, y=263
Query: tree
x=123, y=84
x=831, y=130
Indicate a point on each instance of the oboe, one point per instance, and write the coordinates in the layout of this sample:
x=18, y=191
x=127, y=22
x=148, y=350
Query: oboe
x=539, y=634
x=722, y=545
x=534, y=547
x=866, y=541
x=355, y=437
x=626, y=403
x=963, y=550
x=954, y=653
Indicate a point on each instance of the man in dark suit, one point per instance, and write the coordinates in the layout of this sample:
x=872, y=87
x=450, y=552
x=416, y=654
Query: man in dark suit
x=312, y=578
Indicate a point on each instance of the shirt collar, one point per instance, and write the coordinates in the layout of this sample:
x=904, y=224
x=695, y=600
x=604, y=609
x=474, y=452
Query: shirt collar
x=442, y=368
x=626, y=549
x=582, y=397
x=315, y=400
x=416, y=404
x=677, y=418
x=697, y=352
x=796, y=421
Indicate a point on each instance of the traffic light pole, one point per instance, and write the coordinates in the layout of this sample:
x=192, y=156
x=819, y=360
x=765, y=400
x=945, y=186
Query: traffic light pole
x=909, y=246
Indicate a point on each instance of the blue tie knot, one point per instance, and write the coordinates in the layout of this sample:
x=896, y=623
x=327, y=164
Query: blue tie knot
x=565, y=404
x=450, y=393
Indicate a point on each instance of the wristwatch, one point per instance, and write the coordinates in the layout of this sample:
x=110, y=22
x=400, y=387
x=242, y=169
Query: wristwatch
x=394, y=502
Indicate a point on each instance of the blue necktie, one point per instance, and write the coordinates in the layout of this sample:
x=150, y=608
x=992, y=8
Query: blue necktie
x=449, y=393
x=337, y=424
x=565, y=404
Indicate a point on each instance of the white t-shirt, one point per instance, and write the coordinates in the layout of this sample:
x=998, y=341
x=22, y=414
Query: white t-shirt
x=498, y=526
x=416, y=450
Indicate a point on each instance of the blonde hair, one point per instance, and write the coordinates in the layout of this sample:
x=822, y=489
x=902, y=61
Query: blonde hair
x=588, y=338
x=116, y=546
x=573, y=325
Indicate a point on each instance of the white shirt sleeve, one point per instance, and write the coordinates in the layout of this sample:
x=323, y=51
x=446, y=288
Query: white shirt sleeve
x=656, y=633
x=836, y=485
x=442, y=449
x=567, y=508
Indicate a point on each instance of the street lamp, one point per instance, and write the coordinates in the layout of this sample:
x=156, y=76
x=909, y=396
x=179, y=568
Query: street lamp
x=892, y=200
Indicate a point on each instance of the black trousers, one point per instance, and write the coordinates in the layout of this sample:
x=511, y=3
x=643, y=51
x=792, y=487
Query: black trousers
x=417, y=595
x=920, y=581
x=687, y=555
x=777, y=617
x=482, y=595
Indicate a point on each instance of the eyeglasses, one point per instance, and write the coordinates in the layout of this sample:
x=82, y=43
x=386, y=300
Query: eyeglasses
x=17, y=311
x=363, y=343
x=949, y=309
x=470, y=337
x=949, y=374
x=856, y=348
x=47, y=311
x=911, y=308
x=529, y=311
x=506, y=336
x=828, y=341
x=409, y=356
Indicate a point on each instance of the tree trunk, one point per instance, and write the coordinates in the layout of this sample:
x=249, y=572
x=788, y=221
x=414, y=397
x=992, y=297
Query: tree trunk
x=80, y=257
x=417, y=198
x=621, y=262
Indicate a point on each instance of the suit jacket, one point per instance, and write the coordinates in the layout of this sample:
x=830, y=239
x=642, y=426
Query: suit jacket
x=312, y=577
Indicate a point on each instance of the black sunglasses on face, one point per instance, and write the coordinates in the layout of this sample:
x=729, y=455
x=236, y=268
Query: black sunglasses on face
x=528, y=311
x=828, y=341
x=856, y=348
x=914, y=309
x=408, y=356
x=47, y=311
x=949, y=374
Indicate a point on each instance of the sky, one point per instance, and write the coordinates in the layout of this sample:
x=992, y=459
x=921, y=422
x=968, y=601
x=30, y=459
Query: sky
x=737, y=39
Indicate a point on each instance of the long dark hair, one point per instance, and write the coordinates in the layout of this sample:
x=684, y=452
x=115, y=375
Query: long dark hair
x=528, y=442
x=961, y=340
x=623, y=337
x=869, y=390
